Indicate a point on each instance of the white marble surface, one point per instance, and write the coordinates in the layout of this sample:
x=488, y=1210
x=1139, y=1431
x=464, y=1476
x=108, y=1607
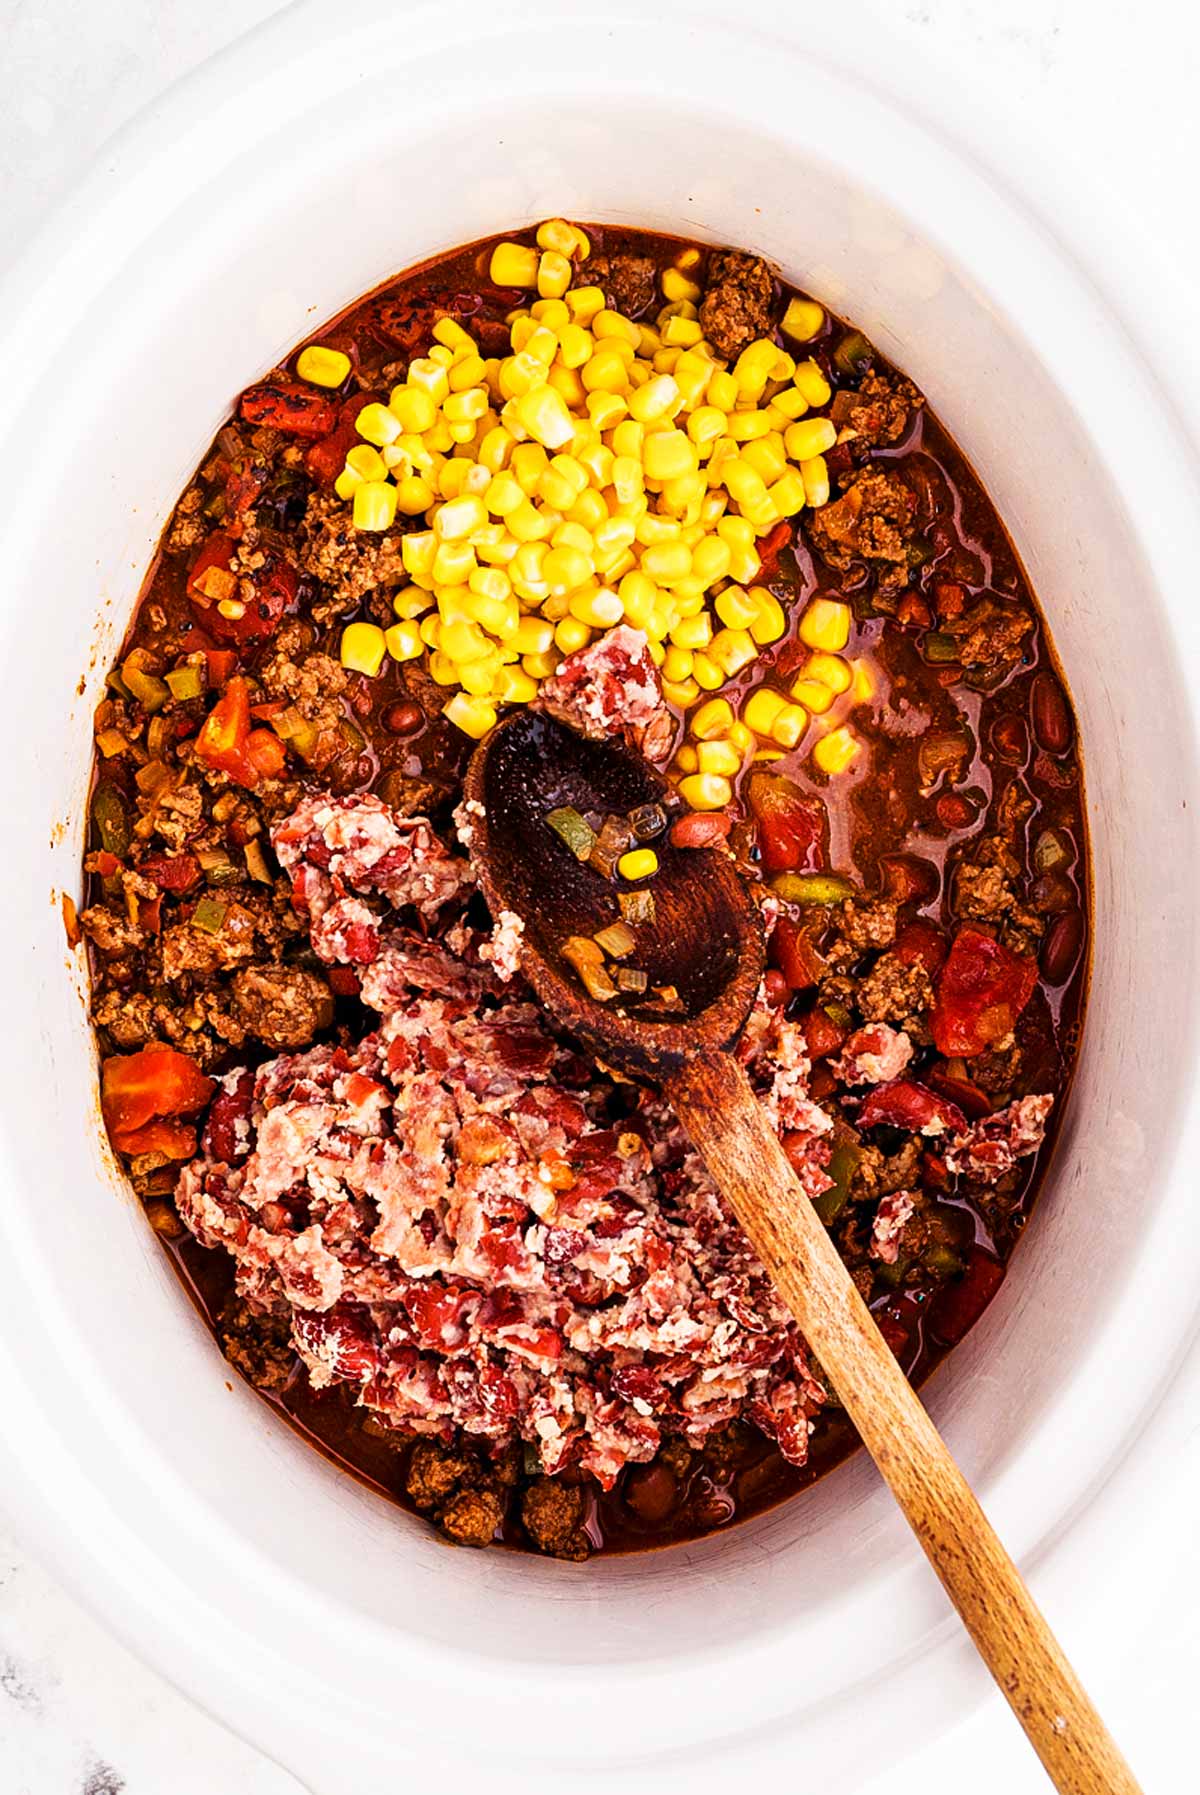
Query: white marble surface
x=78, y=1714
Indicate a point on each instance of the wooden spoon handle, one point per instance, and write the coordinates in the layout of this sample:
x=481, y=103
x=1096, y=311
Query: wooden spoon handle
x=713, y=1099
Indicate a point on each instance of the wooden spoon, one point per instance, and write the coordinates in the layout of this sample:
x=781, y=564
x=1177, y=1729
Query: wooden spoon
x=706, y=940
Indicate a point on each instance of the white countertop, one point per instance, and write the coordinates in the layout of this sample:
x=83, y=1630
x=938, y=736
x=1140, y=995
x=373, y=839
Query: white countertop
x=78, y=1714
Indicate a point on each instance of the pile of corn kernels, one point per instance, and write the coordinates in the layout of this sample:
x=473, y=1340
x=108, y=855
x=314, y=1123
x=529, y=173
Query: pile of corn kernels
x=606, y=471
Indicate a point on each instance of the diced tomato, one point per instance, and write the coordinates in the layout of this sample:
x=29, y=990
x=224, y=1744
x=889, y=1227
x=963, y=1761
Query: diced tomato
x=172, y=1138
x=227, y=743
x=823, y=1035
x=275, y=588
x=770, y=549
x=958, y=1306
x=171, y=872
x=156, y=1081
x=921, y=943
x=982, y=990
x=243, y=486
x=221, y=661
x=791, y=826
x=906, y=1104
x=793, y=953
x=290, y=406
x=326, y=459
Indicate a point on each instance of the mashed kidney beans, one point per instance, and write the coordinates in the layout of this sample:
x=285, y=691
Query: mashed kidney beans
x=473, y=1267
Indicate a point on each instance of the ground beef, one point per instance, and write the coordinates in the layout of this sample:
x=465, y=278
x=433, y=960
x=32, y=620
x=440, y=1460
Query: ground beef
x=893, y=992
x=314, y=684
x=862, y=923
x=434, y=1473
x=349, y=562
x=471, y=1517
x=612, y=687
x=189, y=951
x=879, y=412
x=257, y=1344
x=283, y=1006
x=873, y=521
x=189, y=526
x=739, y=304
x=468, y=1236
x=990, y=636
x=876, y=1175
x=629, y=282
x=110, y=931
x=552, y=1513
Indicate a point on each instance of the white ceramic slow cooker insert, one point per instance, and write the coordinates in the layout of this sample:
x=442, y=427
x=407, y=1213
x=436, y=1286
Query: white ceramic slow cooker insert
x=320, y=1620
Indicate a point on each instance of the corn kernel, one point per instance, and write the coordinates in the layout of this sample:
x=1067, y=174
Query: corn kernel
x=667, y=561
x=789, y=725
x=733, y=649
x=554, y=273
x=826, y=625
x=767, y=457
x=681, y=333
x=676, y=285
x=429, y=375
x=466, y=408
x=712, y=719
x=741, y=737
x=558, y=235
x=813, y=693
x=735, y=608
x=565, y=568
x=605, y=371
x=600, y=607
x=831, y=670
x=802, y=320
x=706, y=673
x=834, y=752
x=417, y=551
x=761, y=709
x=585, y=303
x=403, y=641
x=467, y=374
x=362, y=649
x=321, y=366
x=366, y=463
x=789, y=493
x=681, y=692
x=639, y=863
x=815, y=475
x=474, y=716
x=414, y=495
x=668, y=455
x=687, y=759
x=693, y=632
x=543, y=414
x=659, y=398
x=442, y=668
x=769, y=621
x=638, y=594
x=377, y=424
x=809, y=437
x=719, y=757
x=811, y=382
x=374, y=505
x=540, y=666
x=677, y=663
x=572, y=634
x=788, y=405
x=515, y=686
x=513, y=265
x=457, y=518
x=706, y=791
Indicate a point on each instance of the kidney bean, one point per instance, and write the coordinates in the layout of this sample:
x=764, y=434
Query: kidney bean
x=954, y=812
x=651, y=1492
x=402, y=719
x=1052, y=723
x=1052, y=893
x=1060, y=949
x=776, y=989
x=1010, y=738
x=703, y=829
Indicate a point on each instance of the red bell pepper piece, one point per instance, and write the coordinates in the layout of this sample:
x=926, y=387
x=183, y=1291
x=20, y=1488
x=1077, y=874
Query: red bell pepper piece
x=770, y=549
x=325, y=460
x=982, y=989
x=156, y=1081
x=958, y=1306
x=823, y=1035
x=289, y=406
x=793, y=953
x=227, y=743
x=170, y=1137
x=903, y=1103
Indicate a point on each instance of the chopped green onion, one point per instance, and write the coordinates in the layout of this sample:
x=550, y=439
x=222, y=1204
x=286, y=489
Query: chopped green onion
x=944, y=1261
x=1049, y=851
x=843, y=1162
x=636, y=906
x=588, y=961
x=616, y=940
x=838, y=1014
x=145, y=688
x=811, y=888
x=256, y=863
x=111, y=742
x=573, y=830
x=614, y=839
x=630, y=979
x=209, y=915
